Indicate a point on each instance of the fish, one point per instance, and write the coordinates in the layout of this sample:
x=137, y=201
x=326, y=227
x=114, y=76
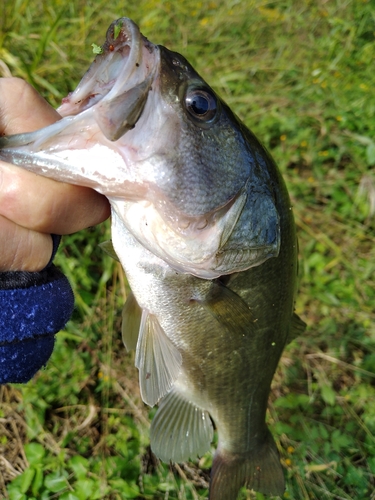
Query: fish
x=203, y=226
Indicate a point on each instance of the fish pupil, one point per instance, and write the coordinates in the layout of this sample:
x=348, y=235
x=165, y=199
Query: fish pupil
x=201, y=104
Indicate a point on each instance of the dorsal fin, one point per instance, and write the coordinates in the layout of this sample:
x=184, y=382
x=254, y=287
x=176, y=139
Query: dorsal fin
x=297, y=327
x=157, y=360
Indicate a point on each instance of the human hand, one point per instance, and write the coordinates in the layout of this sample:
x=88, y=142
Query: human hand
x=32, y=207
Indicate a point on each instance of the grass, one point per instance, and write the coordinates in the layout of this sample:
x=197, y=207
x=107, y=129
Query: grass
x=300, y=75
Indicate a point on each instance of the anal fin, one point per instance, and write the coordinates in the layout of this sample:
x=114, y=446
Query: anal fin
x=157, y=360
x=180, y=430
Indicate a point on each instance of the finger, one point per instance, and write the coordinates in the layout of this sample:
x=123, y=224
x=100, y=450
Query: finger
x=41, y=204
x=36, y=202
x=21, y=249
x=22, y=109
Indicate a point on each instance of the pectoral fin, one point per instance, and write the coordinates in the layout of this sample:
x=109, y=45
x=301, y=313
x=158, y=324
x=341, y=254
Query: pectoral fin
x=180, y=430
x=228, y=309
x=157, y=360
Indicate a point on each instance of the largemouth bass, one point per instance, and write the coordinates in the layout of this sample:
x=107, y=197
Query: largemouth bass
x=203, y=226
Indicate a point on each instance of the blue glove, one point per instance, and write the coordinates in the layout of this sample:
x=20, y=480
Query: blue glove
x=33, y=308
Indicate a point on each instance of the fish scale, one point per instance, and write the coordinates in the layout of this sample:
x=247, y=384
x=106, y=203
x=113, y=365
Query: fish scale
x=203, y=227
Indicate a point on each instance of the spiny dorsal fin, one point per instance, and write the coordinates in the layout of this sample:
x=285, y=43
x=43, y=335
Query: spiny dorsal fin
x=131, y=322
x=180, y=430
x=157, y=360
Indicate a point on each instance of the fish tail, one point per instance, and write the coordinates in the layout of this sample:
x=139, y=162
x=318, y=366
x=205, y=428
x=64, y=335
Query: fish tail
x=259, y=470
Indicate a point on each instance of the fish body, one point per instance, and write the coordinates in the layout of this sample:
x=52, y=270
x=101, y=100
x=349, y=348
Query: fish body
x=203, y=226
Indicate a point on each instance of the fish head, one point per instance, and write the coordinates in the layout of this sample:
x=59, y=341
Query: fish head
x=188, y=180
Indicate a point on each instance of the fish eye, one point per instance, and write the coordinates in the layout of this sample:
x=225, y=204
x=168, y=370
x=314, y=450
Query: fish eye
x=201, y=104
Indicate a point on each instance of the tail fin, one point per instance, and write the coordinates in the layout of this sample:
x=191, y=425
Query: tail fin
x=261, y=471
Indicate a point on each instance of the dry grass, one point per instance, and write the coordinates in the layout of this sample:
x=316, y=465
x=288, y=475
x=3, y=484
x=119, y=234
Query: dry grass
x=13, y=436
